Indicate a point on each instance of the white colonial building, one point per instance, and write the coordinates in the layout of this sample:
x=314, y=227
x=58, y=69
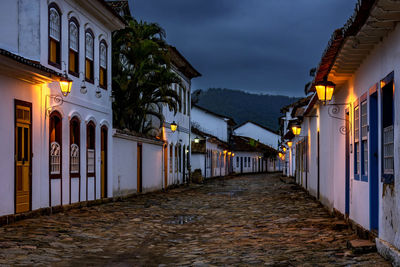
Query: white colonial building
x=55, y=146
x=258, y=132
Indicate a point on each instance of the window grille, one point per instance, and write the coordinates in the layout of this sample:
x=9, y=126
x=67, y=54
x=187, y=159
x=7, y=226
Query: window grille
x=388, y=149
x=55, y=158
x=103, y=56
x=55, y=24
x=89, y=46
x=74, y=158
x=73, y=36
x=90, y=160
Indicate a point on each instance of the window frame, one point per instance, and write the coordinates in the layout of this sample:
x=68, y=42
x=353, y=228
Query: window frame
x=90, y=79
x=78, y=143
x=363, y=139
x=74, y=73
x=59, y=56
x=356, y=119
x=88, y=146
x=58, y=138
x=103, y=86
x=387, y=177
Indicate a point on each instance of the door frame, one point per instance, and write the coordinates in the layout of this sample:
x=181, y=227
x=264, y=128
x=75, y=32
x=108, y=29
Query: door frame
x=347, y=164
x=373, y=148
x=29, y=105
x=104, y=138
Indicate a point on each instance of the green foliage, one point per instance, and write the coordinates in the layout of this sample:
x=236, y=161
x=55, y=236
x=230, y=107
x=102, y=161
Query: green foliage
x=242, y=106
x=142, y=77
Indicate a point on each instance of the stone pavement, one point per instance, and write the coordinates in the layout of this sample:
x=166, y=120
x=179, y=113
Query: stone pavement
x=248, y=220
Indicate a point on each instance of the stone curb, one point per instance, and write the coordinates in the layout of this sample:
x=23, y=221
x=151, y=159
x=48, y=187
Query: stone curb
x=388, y=251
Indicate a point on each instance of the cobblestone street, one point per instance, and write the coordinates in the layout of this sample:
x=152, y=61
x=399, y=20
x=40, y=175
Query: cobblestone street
x=252, y=220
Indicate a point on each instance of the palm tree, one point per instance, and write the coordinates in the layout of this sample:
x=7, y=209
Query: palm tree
x=142, y=77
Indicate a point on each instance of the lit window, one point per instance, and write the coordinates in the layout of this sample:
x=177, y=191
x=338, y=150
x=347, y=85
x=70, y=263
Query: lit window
x=89, y=56
x=103, y=65
x=74, y=150
x=91, y=135
x=54, y=36
x=55, y=145
x=388, y=129
x=73, y=47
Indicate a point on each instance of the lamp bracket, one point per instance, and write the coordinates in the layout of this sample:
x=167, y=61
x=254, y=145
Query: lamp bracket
x=57, y=99
x=334, y=110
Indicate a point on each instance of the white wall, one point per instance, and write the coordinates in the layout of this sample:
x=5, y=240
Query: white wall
x=258, y=133
x=210, y=123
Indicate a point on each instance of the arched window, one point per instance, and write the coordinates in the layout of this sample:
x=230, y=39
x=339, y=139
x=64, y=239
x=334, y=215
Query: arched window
x=75, y=145
x=74, y=47
x=55, y=145
x=54, y=35
x=103, y=65
x=89, y=56
x=91, y=145
x=176, y=159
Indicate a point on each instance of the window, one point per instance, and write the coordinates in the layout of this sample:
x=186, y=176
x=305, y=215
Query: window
x=245, y=162
x=54, y=35
x=237, y=162
x=103, y=65
x=176, y=159
x=89, y=56
x=170, y=158
x=55, y=145
x=388, y=129
x=248, y=162
x=180, y=90
x=73, y=47
x=188, y=103
x=74, y=147
x=356, y=142
x=180, y=158
x=364, y=139
x=184, y=101
x=91, y=145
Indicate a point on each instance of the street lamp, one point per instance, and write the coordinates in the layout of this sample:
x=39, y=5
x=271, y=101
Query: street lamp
x=289, y=143
x=65, y=85
x=284, y=149
x=196, y=140
x=173, y=126
x=296, y=129
x=325, y=90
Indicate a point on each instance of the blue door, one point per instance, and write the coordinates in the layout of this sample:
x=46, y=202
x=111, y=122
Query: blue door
x=347, y=181
x=373, y=159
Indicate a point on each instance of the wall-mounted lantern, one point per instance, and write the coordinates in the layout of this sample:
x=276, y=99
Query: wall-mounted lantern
x=65, y=85
x=196, y=140
x=174, y=126
x=325, y=90
x=284, y=149
x=296, y=129
x=289, y=143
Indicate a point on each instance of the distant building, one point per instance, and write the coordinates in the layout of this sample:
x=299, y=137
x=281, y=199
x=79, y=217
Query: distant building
x=258, y=132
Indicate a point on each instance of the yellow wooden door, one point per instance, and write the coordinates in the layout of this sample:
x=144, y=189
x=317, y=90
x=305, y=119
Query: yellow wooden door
x=23, y=159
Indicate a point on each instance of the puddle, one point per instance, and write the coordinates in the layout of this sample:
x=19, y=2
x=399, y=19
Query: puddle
x=183, y=219
x=231, y=193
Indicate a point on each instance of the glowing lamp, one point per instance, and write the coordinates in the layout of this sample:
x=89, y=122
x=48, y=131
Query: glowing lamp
x=233, y=154
x=283, y=158
x=225, y=151
x=65, y=85
x=284, y=149
x=280, y=154
x=229, y=153
x=325, y=90
x=174, y=126
x=289, y=143
x=196, y=140
x=296, y=129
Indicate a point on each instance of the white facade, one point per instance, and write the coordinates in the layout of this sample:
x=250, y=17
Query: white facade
x=210, y=123
x=249, y=162
x=259, y=133
x=25, y=29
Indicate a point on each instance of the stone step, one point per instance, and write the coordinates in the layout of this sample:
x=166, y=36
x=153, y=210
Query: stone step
x=361, y=246
x=339, y=225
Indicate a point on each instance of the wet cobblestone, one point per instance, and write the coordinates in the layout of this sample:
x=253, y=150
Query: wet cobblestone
x=253, y=220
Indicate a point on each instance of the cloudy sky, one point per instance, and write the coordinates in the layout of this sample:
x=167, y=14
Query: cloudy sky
x=262, y=46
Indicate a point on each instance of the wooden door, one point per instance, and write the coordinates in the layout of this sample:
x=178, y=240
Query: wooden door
x=103, y=166
x=139, y=168
x=165, y=166
x=23, y=158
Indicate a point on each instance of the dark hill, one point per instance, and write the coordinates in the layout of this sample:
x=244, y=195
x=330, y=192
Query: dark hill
x=242, y=106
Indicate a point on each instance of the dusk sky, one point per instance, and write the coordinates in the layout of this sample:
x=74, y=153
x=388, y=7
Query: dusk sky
x=261, y=46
